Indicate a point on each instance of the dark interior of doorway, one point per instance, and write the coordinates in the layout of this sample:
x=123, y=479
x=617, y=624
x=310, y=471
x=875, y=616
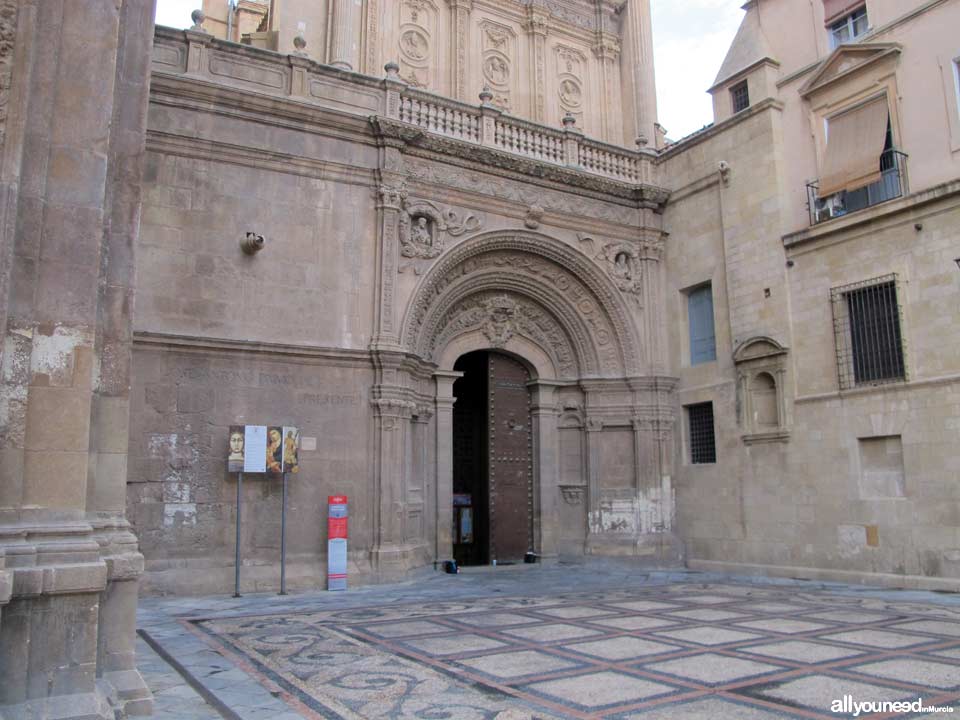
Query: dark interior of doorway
x=470, y=464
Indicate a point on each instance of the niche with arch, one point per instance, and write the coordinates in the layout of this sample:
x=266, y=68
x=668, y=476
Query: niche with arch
x=761, y=400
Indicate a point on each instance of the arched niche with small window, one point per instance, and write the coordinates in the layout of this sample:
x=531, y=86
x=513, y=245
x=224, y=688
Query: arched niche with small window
x=762, y=410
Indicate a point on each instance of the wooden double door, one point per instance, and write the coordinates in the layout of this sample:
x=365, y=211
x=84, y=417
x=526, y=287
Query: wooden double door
x=492, y=460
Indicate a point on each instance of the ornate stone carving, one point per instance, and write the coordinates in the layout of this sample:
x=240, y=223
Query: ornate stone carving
x=488, y=161
x=500, y=316
x=424, y=227
x=500, y=323
x=570, y=64
x=533, y=217
x=496, y=70
x=498, y=45
x=586, y=305
x=392, y=196
x=415, y=45
x=571, y=96
x=622, y=263
x=573, y=494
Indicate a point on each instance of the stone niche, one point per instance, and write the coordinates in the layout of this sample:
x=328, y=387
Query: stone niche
x=762, y=411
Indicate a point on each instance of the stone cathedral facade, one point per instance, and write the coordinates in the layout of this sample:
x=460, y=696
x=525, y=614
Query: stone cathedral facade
x=449, y=242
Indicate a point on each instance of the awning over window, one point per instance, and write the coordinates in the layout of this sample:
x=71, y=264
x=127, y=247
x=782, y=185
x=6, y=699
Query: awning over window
x=833, y=10
x=854, y=146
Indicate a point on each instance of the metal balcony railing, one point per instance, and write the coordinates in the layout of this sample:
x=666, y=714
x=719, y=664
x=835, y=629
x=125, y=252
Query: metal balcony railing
x=892, y=184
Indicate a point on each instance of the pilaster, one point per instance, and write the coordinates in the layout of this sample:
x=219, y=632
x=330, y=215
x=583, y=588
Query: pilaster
x=459, y=47
x=444, y=460
x=543, y=412
x=537, y=27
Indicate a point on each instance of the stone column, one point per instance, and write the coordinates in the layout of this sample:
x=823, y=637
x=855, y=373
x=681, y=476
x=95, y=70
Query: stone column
x=107, y=475
x=639, y=82
x=537, y=27
x=547, y=468
x=444, y=458
x=74, y=143
x=345, y=34
x=460, y=48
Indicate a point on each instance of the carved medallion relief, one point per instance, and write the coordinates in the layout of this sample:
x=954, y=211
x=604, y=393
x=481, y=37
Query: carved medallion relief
x=570, y=73
x=498, y=51
x=417, y=44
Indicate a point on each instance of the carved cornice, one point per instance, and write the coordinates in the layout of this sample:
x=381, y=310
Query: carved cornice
x=419, y=141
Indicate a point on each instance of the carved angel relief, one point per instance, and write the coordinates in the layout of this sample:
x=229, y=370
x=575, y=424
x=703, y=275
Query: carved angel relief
x=424, y=228
x=622, y=262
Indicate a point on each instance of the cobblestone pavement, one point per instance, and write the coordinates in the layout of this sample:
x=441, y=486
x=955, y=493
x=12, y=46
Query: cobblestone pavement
x=598, y=641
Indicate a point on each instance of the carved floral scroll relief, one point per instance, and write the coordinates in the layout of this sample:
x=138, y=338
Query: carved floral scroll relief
x=498, y=49
x=418, y=20
x=622, y=263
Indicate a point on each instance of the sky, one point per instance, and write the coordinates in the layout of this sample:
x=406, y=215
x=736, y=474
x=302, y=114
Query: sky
x=690, y=40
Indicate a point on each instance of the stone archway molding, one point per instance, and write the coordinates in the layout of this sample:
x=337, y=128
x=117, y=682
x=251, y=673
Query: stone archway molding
x=517, y=283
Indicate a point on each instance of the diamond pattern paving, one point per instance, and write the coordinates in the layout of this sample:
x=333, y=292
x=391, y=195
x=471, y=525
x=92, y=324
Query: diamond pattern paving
x=645, y=653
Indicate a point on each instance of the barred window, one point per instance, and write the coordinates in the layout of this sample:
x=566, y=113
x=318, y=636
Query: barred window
x=703, y=445
x=867, y=327
x=741, y=96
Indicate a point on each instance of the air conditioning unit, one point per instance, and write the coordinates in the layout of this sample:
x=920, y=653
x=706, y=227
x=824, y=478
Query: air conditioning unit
x=830, y=207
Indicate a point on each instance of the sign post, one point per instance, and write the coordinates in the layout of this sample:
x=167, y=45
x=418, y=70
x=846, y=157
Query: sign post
x=236, y=560
x=337, y=542
x=283, y=538
x=263, y=449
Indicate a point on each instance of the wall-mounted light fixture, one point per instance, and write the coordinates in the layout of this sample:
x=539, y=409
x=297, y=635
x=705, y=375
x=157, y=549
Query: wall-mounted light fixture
x=957, y=261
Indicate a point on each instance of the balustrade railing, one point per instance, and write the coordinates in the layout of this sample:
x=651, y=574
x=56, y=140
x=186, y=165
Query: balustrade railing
x=195, y=53
x=487, y=125
x=438, y=115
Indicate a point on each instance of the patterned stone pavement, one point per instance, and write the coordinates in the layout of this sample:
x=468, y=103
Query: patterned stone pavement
x=528, y=644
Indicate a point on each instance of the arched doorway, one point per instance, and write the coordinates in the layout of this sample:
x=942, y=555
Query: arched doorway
x=493, y=483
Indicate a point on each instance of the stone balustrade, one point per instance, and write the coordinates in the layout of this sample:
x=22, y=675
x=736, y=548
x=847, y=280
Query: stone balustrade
x=194, y=54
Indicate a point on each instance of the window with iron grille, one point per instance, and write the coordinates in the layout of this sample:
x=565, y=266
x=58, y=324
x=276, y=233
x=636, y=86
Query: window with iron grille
x=703, y=445
x=741, y=96
x=867, y=326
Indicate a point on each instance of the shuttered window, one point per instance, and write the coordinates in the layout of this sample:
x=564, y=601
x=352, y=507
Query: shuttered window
x=854, y=147
x=703, y=341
